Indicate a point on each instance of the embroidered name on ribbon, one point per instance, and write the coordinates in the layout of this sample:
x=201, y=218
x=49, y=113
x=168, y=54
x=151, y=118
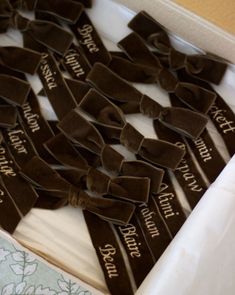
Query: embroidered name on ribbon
x=90, y=41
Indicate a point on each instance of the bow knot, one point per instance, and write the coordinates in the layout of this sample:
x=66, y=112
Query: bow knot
x=150, y=107
x=160, y=41
x=19, y=22
x=75, y=199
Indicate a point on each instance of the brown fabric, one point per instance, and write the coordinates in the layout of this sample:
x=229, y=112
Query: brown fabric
x=21, y=192
x=65, y=153
x=139, y=255
x=101, y=109
x=13, y=90
x=157, y=235
x=130, y=100
x=86, y=3
x=109, y=254
x=206, y=153
x=44, y=177
x=135, y=189
x=115, y=165
x=9, y=215
x=169, y=205
x=36, y=126
x=19, y=144
x=8, y=116
x=192, y=95
x=142, y=169
x=75, y=62
x=58, y=92
x=67, y=10
x=130, y=71
x=220, y=113
x=20, y=59
x=205, y=67
x=152, y=150
x=46, y=33
x=186, y=173
x=78, y=88
x=90, y=40
x=33, y=122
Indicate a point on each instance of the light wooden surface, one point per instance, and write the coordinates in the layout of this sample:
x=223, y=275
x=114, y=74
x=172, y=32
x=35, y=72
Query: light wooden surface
x=221, y=13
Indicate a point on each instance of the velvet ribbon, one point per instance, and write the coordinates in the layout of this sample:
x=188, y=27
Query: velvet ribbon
x=44, y=32
x=8, y=116
x=195, y=97
x=130, y=100
x=13, y=90
x=203, y=66
x=67, y=10
x=135, y=189
x=83, y=132
x=42, y=176
x=20, y=59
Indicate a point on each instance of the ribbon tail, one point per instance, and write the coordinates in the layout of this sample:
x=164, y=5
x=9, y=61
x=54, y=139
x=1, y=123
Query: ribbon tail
x=189, y=123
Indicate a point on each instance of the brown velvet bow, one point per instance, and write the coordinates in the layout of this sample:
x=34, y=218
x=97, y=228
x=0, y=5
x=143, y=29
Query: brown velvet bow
x=158, y=152
x=135, y=189
x=197, y=98
x=20, y=59
x=205, y=67
x=42, y=176
x=67, y=10
x=130, y=100
x=44, y=32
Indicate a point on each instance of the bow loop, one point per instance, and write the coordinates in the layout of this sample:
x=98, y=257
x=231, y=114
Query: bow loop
x=20, y=59
x=195, y=97
x=161, y=153
x=81, y=131
x=206, y=67
x=180, y=120
x=110, y=84
x=150, y=107
x=154, y=151
x=13, y=90
x=129, y=188
x=100, y=108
